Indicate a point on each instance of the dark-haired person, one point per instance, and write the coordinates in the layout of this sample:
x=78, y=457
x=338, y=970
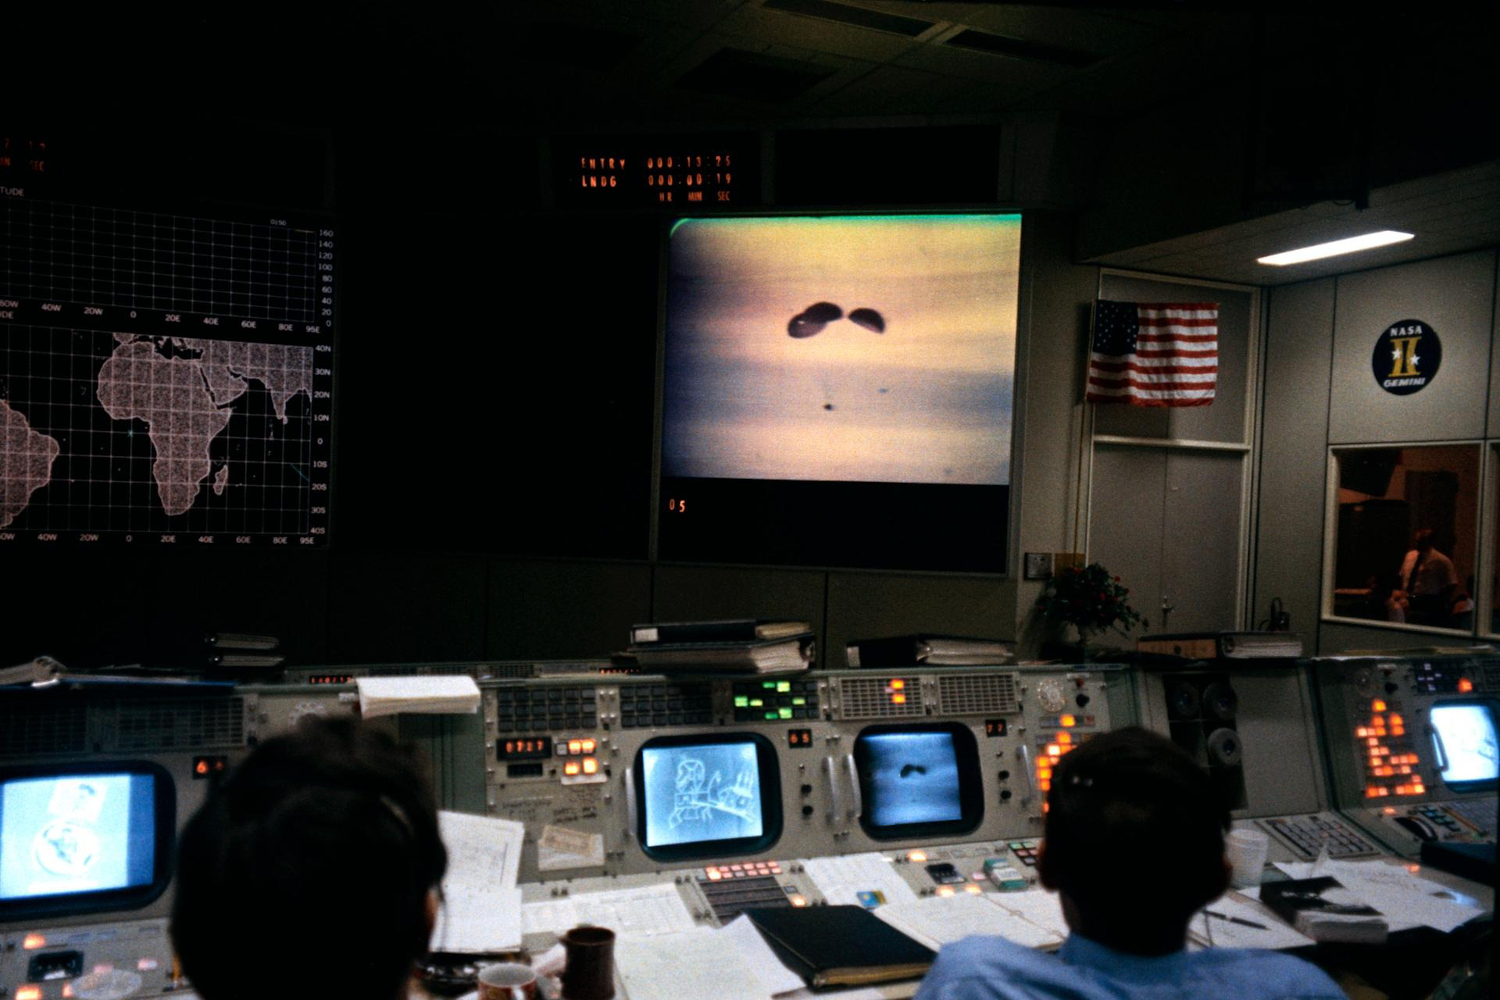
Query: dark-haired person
x=1134, y=846
x=311, y=871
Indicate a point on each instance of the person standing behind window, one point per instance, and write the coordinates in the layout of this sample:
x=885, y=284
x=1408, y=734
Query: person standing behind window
x=1429, y=581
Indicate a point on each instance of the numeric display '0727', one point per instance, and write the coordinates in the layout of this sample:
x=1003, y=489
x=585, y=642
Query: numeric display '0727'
x=163, y=379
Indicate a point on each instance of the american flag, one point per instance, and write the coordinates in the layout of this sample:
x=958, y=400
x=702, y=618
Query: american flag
x=1154, y=353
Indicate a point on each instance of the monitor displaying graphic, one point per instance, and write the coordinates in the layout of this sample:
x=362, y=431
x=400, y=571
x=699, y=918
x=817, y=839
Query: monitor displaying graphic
x=707, y=795
x=838, y=390
x=1464, y=735
x=918, y=780
x=73, y=841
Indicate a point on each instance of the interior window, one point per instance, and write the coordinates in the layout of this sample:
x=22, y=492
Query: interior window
x=1407, y=520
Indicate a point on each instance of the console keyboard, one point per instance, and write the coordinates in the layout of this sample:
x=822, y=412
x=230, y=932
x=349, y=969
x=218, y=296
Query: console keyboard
x=1306, y=836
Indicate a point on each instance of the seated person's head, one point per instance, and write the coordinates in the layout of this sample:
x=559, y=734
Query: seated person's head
x=310, y=872
x=1134, y=841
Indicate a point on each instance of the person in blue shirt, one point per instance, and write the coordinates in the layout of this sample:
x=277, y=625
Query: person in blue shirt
x=1134, y=846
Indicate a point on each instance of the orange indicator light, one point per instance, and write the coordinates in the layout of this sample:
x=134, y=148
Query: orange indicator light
x=575, y=746
x=1396, y=720
x=973, y=889
x=945, y=890
x=1068, y=721
x=1378, y=705
x=1064, y=737
x=713, y=875
x=29, y=993
x=1465, y=685
x=1046, y=785
x=1362, y=732
x=1044, y=772
x=590, y=766
x=570, y=768
x=1413, y=868
x=898, y=699
x=588, y=746
x=917, y=857
x=1053, y=750
x=32, y=942
x=1398, y=730
x=1389, y=810
x=201, y=767
x=898, y=684
x=798, y=901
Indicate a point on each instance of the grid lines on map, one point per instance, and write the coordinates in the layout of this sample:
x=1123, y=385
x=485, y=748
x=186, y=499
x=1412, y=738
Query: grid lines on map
x=61, y=252
x=147, y=434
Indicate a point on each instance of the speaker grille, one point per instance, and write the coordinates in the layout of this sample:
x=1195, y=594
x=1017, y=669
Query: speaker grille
x=31, y=730
x=180, y=724
x=878, y=698
x=978, y=694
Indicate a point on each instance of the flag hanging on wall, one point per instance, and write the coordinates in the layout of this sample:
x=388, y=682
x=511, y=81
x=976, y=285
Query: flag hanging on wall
x=1154, y=353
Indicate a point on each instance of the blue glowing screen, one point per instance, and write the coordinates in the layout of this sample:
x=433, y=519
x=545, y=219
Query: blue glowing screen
x=76, y=833
x=1467, y=733
x=911, y=778
x=696, y=794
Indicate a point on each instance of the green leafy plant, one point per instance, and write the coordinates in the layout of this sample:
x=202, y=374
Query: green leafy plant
x=1089, y=599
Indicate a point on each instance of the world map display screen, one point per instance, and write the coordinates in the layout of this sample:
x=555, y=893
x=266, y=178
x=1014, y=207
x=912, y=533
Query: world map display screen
x=163, y=379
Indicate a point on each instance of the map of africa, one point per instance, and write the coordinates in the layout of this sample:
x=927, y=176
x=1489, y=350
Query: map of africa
x=122, y=432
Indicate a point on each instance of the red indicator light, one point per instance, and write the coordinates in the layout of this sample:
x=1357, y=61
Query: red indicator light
x=32, y=942
x=29, y=993
x=570, y=768
x=898, y=684
x=898, y=699
x=1465, y=685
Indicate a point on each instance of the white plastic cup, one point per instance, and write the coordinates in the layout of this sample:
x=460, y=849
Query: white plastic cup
x=1246, y=849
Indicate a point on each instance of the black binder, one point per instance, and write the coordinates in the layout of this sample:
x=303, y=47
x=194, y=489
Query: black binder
x=841, y=945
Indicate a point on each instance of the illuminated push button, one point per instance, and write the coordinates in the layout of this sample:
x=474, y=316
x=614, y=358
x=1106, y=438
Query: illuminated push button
x=570, y=769
x=1053, y=750
x=713, y=874
x=798, y=901
x=898, y=684
x=1377, y=705
x=575, y=746
x=916, y=857
x=588, y=746
x=1465, y=685
x=1064, y=738
x=32, y=942
x=1068, y=722
x=29, y=993
x=590, y=766
x=898, y=699
x=973, y=889
x=945, y=890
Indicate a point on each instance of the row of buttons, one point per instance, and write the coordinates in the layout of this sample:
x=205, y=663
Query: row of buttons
x=1309, y=834
x=1440, y=817
x=715, y=873
x=1025, y=850
x=665, y=705
x=544, y=710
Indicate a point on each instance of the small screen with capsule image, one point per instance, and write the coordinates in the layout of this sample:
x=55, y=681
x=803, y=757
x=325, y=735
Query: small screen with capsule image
x=918, y=779
x=838, y=390
x=698, y=794
x=1465, y=735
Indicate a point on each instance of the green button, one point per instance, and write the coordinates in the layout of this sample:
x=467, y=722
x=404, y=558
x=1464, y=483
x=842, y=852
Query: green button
x=769, y=685
x=784, y=686
x=786, y=713
x=799, y=701
x=772, y=716
x=741, y=702
x=757, y=702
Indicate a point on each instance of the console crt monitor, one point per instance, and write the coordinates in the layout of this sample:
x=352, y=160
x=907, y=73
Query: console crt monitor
x=837, y=390
x=919, y=780
x=1464, y=739
x=707, y=796
x=84, y=839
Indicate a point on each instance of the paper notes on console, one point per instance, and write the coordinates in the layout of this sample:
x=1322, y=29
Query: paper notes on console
x=701, y=962
x=842, y=879
x=645, y=912
x=938, y=920
x=443, y=694
x=481, y=909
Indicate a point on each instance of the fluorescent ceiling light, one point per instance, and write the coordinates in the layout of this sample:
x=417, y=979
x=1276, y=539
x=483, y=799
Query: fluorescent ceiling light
x=1366, y=242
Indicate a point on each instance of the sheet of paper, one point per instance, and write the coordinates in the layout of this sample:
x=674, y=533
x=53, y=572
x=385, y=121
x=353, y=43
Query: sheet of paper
x=560, y=848
x=939, y=920
x=482, y=851
x=477, y=921
x=1273, y=932
x=697, y=963
x=440, y=694
x=1039, y=906
x=775, y=977
x=841, y=879
x=1405, y=899
x=644, y=912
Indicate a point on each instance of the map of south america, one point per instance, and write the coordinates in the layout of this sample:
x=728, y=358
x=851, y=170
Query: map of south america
x=182, y=388
x=26, y=458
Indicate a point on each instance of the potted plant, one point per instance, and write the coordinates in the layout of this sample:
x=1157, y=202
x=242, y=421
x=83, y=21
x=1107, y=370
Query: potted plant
x=1091, y=600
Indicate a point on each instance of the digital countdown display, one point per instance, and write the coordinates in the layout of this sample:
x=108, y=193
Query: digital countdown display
x=675, y=173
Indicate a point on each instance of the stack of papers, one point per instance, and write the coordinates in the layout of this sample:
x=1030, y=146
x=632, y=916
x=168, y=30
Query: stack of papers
x=1227, y=923
x=443, y=694
x=701, y=962
x=1038, y=906
x=481, y=909
x=1404, y=899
